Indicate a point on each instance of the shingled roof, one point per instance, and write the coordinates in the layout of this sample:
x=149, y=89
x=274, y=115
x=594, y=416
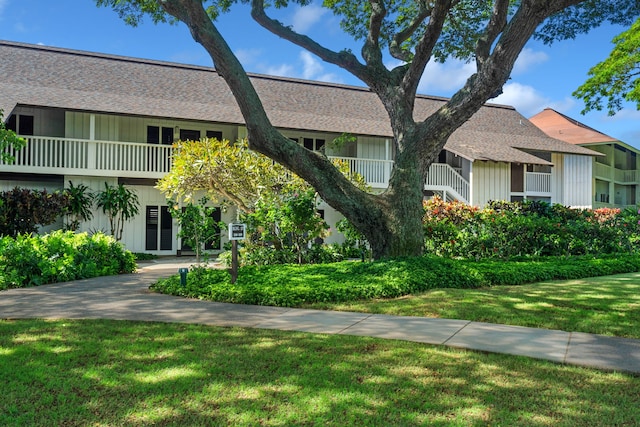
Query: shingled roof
x=37, y=75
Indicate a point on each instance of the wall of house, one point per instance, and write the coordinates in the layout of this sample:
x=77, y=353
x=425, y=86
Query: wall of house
x=134, y=129
x=577, y=181
x=46, y=121
x=491, y=181
x=376, y=148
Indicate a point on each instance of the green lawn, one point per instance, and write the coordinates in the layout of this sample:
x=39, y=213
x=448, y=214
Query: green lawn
x=608, y=305
x=108, y=373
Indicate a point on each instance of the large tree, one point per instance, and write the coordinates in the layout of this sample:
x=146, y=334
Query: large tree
x=616, y=79
x=490, y=32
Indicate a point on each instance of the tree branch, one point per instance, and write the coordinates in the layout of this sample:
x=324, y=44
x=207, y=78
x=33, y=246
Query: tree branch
x=496, y=24
x=371, y=48
x=342, y=59
x=395, y=47
x=425, y=46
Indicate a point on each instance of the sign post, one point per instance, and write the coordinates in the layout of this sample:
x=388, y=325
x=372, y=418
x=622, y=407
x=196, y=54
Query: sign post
x=236, y=232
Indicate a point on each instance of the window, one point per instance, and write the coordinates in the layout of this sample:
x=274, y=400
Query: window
x=214, y=134
x=20, y=124
x=158, y=221
x=313, y=144
x=153, y=135
x=191, y=135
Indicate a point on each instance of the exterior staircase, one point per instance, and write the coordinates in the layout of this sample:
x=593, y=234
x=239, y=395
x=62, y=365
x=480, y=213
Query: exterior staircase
x=444, y=180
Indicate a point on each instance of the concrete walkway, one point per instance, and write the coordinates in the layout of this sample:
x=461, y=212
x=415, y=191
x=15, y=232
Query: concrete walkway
x=127, y=297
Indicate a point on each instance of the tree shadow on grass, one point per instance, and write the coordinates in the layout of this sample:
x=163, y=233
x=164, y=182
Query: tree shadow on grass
x=127, y=373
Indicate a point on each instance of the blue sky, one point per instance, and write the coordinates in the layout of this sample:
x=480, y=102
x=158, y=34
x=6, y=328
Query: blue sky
x=543, y=77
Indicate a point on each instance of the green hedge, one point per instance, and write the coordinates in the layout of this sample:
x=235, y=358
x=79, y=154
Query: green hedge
x=294, y=285
x=32, y=260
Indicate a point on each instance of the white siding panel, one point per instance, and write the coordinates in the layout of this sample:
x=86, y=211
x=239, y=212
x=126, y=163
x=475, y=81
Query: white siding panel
x=372, y=148
x=77, y=125
x=491, y=181
x=557, y=178
x=577, y=181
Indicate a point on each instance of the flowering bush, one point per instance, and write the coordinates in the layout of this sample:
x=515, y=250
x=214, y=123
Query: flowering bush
x=530, y=228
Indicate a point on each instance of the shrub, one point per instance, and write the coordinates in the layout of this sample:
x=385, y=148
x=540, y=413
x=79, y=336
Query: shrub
x=531, y=228
x=296, y=285
x=23, y=210
x=60, y=256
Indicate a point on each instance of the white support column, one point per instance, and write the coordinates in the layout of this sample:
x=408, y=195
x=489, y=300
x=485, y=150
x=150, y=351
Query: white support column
x=471, y=201
x=92, y=149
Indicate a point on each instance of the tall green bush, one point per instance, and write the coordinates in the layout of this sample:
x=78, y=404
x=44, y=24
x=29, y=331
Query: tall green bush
x=510, y=229
x=31, y=260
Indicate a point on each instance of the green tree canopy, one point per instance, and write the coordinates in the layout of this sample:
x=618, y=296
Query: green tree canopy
x=615, y=80
x=492, y=33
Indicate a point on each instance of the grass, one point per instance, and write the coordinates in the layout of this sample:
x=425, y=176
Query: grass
x=608, y=305
x=109, y=373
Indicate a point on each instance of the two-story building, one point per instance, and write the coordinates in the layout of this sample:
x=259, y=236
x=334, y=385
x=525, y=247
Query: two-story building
x=616, y=173
x=92, y=118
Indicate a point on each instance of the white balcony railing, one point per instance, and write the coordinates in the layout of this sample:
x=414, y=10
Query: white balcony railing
x=442, y=177
x=375, y=172
x=49, y=155
x=103, y=158
x=538, y=182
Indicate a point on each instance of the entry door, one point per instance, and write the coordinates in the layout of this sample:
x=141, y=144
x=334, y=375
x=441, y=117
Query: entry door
x=159, y=226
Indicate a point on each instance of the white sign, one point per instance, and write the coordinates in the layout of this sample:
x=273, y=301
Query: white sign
x=237, y=231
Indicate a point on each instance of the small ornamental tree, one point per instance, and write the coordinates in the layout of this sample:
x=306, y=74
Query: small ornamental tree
x=288, y=223
x=197, y=225
x=120, y=204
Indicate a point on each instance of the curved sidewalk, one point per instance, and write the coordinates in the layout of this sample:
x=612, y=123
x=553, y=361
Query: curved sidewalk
x=127, y=297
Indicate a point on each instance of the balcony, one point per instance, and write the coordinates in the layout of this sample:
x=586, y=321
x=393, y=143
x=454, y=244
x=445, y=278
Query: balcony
x=375, y=172
x=48, y=155
x=538, y=183
x=66, y=156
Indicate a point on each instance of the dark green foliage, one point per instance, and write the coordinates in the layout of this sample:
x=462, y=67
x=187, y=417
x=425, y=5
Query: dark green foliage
x=531, y=228
x=295, y=285
x=60, y=256
x=23, y=210
x=80, y=206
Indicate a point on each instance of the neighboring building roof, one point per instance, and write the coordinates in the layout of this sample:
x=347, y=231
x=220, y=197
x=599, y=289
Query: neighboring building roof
x=36, y=75
x=566, y=129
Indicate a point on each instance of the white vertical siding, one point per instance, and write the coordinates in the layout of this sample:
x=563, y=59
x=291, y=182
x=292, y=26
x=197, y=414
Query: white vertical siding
x=557, y=178
x=372, y=148
x=491, y=181
x=578, y=181
x=77, y=125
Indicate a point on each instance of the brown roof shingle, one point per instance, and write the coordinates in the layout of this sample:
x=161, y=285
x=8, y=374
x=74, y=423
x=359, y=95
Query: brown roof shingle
x=45, y=76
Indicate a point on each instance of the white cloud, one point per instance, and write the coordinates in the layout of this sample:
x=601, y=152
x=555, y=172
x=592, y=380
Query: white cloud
x=527, y=59
x=443, y=79
x=526, y=99
x=306, y=17
x=306, y=67
x=248, y=56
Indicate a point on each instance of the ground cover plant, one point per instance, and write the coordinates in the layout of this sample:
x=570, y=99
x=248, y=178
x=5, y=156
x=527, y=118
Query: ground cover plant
x=31, y=260
x=95, y=372
x=294, y=285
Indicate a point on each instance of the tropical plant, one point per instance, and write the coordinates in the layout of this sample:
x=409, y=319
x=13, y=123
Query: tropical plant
x=80, y=205
x=120, y=204
x=197, y=225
